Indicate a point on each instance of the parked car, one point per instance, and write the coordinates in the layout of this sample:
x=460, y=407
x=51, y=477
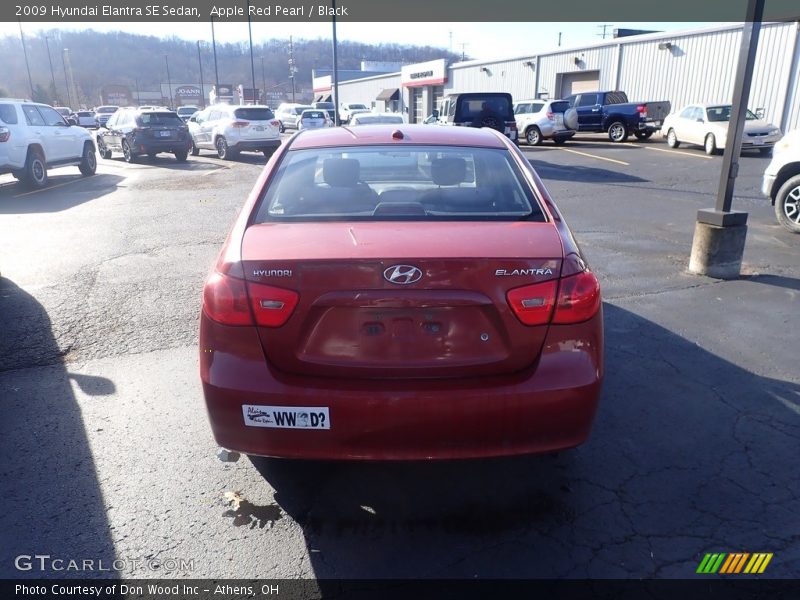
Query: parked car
x=35, y=137
x=539, y=120
x=103, y=113
x=328, y=107
x=288, y=114
x=312, y=118
x=85, y=118
x=611, y=112
x=351, y=108
x=442, y=311
x=184, y=112
x=136, y=132
x=480, y=109
x=370, y=118
x=64, y=111
x=781, y=183
x=707, y=125
x=230, y=129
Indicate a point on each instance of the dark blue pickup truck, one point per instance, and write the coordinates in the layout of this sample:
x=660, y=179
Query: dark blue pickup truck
x=612, y=113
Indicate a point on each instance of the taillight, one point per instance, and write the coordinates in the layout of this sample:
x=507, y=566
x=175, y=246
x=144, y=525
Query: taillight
x=225, y=300
x=578, y=298
x=240, y=123
x=275, y=123
x=272, y=306
x=5, y=134
x=642, y=110
x=550, y=116
x=511, y=125
x=533, y=304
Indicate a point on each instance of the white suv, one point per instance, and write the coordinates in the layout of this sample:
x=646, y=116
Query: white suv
x=34, y=137
x=781, y=182
x=231, y=128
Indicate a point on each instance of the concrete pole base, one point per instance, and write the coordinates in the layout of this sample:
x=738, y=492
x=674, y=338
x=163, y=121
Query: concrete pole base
x=717, y=251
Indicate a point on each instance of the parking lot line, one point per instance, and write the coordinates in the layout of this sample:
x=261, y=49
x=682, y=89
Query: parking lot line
x=49, y=187
x=613, y=160
x=680, y=152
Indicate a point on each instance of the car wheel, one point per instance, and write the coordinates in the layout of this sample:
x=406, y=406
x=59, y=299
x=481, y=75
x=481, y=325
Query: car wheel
x=151, y=156
x=765, y=151
x=88, y=164
x=672, y=139
x=195, y=150
x=643, y=135
x=787, y=204
x=181, y=155
x=281, y=128
x=533, y=136
x=35, y=173
x=127, y=152
x=710, y=144
x=559, y=141
x=617, y=132
x=268, y=152
x=222, y=148
x=102, y=149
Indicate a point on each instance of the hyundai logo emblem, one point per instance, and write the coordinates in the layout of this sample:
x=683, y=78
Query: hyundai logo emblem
x=402, y=274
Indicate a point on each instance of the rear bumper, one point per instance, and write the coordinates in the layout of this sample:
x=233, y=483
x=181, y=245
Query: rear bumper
x=254, y=145
x=548, y=408
x=151, y=146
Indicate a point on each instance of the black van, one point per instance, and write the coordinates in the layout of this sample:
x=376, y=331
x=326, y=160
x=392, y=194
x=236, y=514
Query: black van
x=480, y=109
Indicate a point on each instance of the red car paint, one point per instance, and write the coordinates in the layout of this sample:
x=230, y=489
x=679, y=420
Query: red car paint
x=496, y=348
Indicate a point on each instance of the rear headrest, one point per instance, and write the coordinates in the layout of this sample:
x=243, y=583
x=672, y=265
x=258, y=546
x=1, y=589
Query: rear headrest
x=448, y=171
x=341, y=172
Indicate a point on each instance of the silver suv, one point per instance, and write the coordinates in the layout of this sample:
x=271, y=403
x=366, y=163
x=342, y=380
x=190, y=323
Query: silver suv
x=34, y=137
x=539, y=120
x=289, y=114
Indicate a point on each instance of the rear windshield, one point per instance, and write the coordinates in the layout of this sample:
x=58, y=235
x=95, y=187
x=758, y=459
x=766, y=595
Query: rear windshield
x=559, y=107
x=160, y=118
x=299, y=110
x=316, y=114
x=187, y=110
x=475, y=108
x=419, y=183
x=367, y=119
x=85, y=114
x=254, y=114
x=107, y=109
x=8, y=114
x=324, y=105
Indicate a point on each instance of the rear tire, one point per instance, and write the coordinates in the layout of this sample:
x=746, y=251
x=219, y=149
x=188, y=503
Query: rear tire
x=787, y=204
x=765, y=151
x=559, y=141
x=35, y=172
x=281, y=128
x=88, y=164
x=127, y=152
x=195, y=150
x=710, y=145
x=268, y=153
x=181, y=155
x=643, y=135
x=672, y=139
x=222, y=148
x=617, y=132
x=102, y=149
x=533, y=136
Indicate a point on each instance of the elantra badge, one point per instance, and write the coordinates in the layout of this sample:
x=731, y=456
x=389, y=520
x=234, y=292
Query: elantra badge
x=402, y=274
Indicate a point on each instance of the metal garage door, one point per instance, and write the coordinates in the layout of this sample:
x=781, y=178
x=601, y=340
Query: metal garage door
x=437, y=93
x=575, y=83
x=417, y=110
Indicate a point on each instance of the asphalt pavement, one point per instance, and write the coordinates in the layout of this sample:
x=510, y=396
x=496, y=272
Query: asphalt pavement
x=108, y=455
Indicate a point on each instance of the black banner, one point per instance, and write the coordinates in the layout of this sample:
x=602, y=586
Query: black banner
x=377, y=11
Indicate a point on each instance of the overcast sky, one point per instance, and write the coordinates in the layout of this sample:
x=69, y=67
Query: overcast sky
x=478, y=40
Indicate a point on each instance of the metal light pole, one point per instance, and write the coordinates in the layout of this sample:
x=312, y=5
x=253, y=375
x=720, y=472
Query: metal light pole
x=202, y=87
x=263, y=79
x=169, y=81
x=25, y=51
x=52, y=72
x=252, y=65
x=335, y=76
x=292, y=67
x=214, y=45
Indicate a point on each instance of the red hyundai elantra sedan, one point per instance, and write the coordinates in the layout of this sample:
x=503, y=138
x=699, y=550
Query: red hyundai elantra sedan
x=400, y=292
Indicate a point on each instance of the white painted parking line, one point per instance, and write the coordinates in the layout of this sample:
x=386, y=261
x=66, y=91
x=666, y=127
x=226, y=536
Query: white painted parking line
x=681, y=152
x=598, y=157
x=48, y=188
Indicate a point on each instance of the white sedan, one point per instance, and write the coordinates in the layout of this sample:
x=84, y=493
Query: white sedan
x=706, y=125
x=371, y=118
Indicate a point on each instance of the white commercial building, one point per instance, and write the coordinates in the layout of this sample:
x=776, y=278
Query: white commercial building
x=682, y=67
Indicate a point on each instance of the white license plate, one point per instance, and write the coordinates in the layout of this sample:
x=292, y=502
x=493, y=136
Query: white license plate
x=758, y=142
x=258, y=128
x=164, y=133
x=286, y=417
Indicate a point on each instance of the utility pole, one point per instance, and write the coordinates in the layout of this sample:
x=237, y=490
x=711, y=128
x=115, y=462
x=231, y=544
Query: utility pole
x=292, y=67
x=335, y=71
x=25, y=51
x=169, y=81
x=252, y=67
x=71, y=79
x=463, y=51
x=202, y=87
x=52, y=72
x=216, y=71
x=66, y=79
x=604, y=26
x=263, y=79
x=559, y=39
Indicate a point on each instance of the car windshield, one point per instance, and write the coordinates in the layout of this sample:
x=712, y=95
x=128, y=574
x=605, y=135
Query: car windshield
x=187, y=110
x=324, y=105
x=160, y=118
x=253, y=114
x=107, y=109
x=723, y=113
x=357, y=107
x=389, y=183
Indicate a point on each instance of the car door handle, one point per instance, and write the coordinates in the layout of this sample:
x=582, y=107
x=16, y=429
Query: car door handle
x=595, y=110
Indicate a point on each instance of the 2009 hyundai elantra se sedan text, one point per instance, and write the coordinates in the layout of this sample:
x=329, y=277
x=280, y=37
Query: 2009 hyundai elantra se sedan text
x=400, y=292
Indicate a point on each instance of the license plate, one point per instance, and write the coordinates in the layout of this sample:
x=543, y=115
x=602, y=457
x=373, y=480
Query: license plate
x=164, y=133
x=286, y=417
x=758, y=142
x=258, y=128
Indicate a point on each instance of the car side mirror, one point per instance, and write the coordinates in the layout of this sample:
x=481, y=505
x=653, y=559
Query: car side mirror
x=71, y=121
x=192, y=119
